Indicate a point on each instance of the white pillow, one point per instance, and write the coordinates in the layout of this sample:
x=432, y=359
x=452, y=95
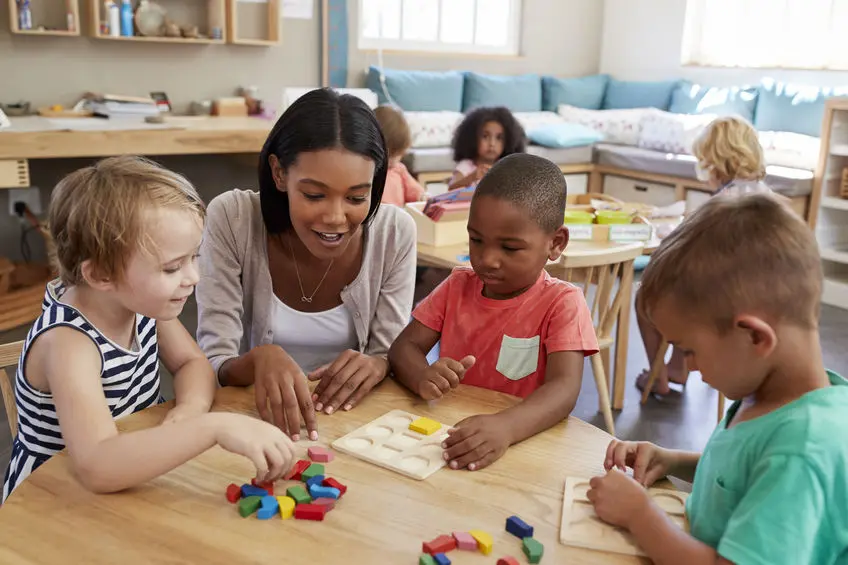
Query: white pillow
x=672, y=133
x=617, y=126
x=432, y=129
x=789, y=149
x=533, y=120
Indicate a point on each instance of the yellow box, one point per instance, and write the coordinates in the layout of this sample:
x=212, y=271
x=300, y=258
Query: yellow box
x=425, y=426
x=484, y=541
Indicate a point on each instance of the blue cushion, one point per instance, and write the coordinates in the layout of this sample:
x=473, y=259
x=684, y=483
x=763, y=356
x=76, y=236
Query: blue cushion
x=522, y=93
x=793, y=107
x=690, y=98
x=419, y=91
x=564, y=135
x=582, y=92
x=621, y=94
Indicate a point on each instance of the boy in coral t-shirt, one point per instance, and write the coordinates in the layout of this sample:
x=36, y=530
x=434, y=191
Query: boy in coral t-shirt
x=505, y=324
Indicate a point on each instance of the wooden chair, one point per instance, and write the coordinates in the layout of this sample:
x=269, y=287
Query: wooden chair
x=656, y=367
x=10, y=354
x=600, y=267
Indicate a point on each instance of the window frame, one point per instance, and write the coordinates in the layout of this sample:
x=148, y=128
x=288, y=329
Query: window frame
x=512, y=47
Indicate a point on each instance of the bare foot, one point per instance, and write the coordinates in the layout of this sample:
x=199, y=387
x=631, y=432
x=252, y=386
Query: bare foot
x=660, y=385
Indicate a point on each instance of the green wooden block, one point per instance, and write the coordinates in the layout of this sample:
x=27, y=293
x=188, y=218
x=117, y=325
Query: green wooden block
x=248, y=505
x=426, y=559
x=533, y=550
x=312, y=471
x=299, y=494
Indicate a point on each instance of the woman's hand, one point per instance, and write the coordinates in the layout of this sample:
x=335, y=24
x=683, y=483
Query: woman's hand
x=282, y=393
x=345, y=381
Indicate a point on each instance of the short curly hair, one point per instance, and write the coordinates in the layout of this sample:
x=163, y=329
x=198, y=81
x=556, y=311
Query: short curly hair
x=466, y=136
x=730, y=147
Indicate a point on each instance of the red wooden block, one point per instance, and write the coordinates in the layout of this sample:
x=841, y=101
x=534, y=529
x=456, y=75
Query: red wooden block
x=298, y=469
x=267, y=485
x=507, y=561
x=331, y=482
x=329, y=503
x=310, y=512
x=233, y=493
x=441, y=544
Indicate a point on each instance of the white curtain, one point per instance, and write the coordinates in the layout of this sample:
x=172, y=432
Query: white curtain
x=794, y=34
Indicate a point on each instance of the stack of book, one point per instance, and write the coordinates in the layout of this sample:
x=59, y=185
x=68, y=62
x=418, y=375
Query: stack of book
x=117, y=106
x=453, y=203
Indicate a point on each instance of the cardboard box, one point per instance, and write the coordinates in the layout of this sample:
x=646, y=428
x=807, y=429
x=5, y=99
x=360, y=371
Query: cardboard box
x=451, y=229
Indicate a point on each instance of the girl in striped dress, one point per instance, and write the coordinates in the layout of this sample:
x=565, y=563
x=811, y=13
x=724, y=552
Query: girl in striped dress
x=127, y=233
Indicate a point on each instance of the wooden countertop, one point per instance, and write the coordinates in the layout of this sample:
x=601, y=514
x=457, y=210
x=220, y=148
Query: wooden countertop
x=183, y=516
x=34, y=137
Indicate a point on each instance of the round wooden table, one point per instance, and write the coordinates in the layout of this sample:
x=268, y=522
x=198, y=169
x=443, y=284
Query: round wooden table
x=184, y=517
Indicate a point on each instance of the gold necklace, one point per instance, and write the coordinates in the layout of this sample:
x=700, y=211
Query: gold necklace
x=303, y=297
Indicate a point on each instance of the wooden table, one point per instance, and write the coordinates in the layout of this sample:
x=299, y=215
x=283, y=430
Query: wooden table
x=450, y=256
x=183, y=517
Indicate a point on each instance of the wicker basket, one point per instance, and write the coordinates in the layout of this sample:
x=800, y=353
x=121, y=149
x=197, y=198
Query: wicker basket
x=843, y=188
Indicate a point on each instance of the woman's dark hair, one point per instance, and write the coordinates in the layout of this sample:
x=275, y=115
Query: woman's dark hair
x=466, y=136
x=320, y=119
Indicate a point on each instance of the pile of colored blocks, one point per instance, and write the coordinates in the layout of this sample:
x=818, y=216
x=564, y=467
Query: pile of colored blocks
x=474, y=540
x=310, y=501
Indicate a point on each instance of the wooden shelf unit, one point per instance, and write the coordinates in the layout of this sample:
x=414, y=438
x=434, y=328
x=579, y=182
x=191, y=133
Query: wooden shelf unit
x=830, y=210
x=269, y=20
x=48, y=10
x=216, y=16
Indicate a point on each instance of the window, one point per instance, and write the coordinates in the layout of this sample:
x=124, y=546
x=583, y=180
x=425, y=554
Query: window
x=453, y=26
x=794, y=34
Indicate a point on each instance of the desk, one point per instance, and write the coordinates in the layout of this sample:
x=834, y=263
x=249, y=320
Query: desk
x=448, y=257
x=34, y=137
x=183, y=517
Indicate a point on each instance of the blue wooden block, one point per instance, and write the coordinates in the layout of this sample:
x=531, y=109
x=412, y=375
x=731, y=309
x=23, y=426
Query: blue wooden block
x=250, y=490
x=316, y=480
x=518, y=527
x=319, y=491
x=269, y=508
x=442, y=559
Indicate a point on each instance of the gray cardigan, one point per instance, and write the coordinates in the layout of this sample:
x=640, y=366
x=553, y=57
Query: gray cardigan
x=235, y=293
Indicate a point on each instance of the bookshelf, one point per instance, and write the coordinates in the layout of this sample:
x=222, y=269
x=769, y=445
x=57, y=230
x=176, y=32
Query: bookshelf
x=253, y=22
x=829, y=207
x=48, y=17
x=205, y=15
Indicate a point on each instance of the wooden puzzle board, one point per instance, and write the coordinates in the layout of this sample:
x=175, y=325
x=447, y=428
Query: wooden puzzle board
x=581, y=527
x=389, y=443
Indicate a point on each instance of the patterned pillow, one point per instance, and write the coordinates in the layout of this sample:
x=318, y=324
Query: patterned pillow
x=432, y=129
x=617, y=126
x=789, y=149
x=532, y=120
x=672, y=133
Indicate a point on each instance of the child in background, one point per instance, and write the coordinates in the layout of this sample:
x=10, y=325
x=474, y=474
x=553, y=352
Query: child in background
x=505, y=324
x=484, y=136
x=127, y=233
x=737, y=289
x=401, y=187
x=731, y=162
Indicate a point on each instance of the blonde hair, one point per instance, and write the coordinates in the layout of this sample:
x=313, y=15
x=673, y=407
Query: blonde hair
x=96, y=213
x=730, y=147
x=738, y=254
x=395, y=130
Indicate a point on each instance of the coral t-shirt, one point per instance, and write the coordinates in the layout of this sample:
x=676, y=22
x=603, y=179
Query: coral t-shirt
x=511, y=339
x=401, y=187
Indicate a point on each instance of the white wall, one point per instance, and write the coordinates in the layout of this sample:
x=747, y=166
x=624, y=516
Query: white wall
x=642, y=38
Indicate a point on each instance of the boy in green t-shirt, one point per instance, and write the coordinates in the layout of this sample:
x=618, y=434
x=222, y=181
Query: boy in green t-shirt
x=737, y=287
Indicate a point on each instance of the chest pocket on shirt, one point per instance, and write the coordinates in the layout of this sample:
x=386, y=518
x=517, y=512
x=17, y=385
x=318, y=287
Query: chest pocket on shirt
x=712, y=518
x=518, y=357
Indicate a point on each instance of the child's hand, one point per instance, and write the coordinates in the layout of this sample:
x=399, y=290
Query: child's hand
x=477, y=442
x=184, y=411
x=649, y=462
x=618, y=499
x=266, y=445
x=442, y=376
x=480, y=172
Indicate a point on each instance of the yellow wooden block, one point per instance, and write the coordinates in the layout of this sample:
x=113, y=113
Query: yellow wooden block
x=425, y=426
x=286, y=506
x=484, y=541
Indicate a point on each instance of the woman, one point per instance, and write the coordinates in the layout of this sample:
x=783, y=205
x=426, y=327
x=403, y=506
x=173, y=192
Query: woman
x=310, y=277
x=731, y=162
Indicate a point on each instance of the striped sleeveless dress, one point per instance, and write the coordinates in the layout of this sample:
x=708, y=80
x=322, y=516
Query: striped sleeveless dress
x=130, y=380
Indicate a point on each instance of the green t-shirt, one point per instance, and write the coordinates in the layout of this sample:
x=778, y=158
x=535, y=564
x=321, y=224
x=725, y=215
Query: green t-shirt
x=774, y=490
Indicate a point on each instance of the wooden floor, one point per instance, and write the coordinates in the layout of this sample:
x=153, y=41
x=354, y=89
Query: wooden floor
x=682, y=420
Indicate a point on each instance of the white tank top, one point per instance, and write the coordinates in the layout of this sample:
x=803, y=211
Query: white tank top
x=312, y=339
